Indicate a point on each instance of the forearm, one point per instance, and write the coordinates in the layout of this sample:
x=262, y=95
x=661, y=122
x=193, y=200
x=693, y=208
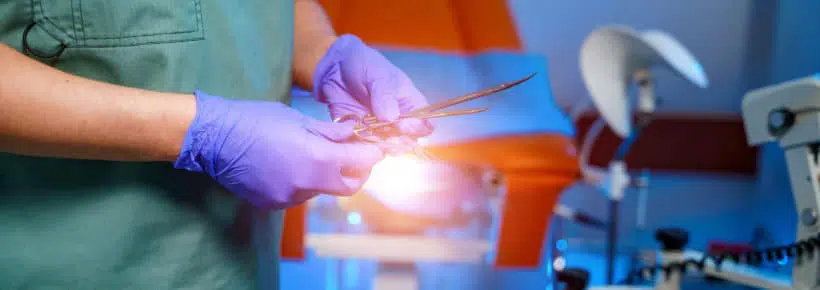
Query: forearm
x=46, y=112
x=313, y=35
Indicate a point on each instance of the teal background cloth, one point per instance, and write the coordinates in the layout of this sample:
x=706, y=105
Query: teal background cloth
x=76, y=224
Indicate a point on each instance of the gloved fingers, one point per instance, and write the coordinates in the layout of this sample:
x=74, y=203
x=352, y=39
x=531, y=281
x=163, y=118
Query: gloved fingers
x=299, y=197
x=415, y=128
x=341, y=103
x=355, y=180
x=330, y=178
x=410, y=99
x=333, y=183
x=352, y=163
x=358, y=157
x=341, y=109
x=383, y=94
x=335, y=132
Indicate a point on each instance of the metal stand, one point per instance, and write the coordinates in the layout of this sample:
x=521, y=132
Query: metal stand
x=616, y=179
x=792, y=118
x=803, y=172
x=619, y=180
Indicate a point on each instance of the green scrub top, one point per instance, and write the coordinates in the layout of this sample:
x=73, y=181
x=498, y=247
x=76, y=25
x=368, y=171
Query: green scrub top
x=75, y=224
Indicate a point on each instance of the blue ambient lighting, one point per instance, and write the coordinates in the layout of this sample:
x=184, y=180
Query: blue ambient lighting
x=817, y=76
x=785, y=260
x=354, y=218
x=561, y=245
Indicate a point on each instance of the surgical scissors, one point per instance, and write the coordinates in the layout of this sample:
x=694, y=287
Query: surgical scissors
x=369, y=124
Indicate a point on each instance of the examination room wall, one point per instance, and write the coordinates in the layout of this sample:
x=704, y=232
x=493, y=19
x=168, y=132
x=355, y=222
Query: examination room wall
x=716, y=32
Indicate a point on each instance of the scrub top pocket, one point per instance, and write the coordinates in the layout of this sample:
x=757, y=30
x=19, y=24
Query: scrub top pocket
x=115, y=23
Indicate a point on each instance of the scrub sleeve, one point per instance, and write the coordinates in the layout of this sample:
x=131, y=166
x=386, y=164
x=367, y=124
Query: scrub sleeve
x=75, y=224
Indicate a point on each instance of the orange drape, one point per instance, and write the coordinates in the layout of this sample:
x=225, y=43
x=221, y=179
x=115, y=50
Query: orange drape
x=451, y=26
x=537, y=167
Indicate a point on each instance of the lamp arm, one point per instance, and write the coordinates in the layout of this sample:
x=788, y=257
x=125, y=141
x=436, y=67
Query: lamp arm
x=627, y=143
x=594, y=174
x=591, y=174
x=579, y=108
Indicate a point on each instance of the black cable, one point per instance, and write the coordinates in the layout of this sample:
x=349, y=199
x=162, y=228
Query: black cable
x=612, y=239
x=589, y=221
x=799, y=249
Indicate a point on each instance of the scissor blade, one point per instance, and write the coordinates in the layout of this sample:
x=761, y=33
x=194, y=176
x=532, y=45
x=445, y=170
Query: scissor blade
x=432, y=115
x=380, y=124
x=372, y=122
x=470, y=96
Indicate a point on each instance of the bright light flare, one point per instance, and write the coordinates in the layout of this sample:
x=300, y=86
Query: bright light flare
x=412, y=185
x=403, y=178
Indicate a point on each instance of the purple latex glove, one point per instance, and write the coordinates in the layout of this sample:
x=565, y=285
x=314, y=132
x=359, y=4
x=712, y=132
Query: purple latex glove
x=270, y=154
x=353, y=78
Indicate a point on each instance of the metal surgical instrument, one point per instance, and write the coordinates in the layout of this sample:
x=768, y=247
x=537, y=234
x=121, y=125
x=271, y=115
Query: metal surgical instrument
x=368, y=127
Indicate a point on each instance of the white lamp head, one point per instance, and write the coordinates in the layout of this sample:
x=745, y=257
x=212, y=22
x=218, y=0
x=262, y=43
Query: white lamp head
x=610, y=58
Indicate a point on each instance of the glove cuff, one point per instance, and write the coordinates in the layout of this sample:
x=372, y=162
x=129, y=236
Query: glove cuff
x=196, y=154
x=338, y=51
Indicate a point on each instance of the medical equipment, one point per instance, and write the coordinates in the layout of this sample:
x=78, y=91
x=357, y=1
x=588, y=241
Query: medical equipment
x=612, y=55
x=787, y=113
x=370, y=129
x=612, y=59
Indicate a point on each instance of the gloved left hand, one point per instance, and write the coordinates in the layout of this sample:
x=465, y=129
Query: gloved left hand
x=353, y=78
x=270, y=154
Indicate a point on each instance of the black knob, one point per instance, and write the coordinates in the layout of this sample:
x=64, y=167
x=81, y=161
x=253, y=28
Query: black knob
x=672, y=239
x=573, y=278
x=780, y=121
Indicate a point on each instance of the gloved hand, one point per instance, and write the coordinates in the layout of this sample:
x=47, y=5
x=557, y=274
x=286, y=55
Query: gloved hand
x=270, y=154
x=353, y=78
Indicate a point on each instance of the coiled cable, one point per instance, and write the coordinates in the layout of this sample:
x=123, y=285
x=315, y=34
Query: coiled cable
x=800, y=249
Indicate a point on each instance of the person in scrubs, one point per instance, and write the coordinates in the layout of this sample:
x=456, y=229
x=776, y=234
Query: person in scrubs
x=147, y=144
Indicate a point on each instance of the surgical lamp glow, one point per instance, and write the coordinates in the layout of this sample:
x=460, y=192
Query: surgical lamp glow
x=397, y=180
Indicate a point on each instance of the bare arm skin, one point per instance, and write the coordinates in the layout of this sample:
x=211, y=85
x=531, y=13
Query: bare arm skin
x=313, y=35
x=46, y=112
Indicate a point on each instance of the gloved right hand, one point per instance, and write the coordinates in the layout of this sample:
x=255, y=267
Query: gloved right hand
x=270, y=154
